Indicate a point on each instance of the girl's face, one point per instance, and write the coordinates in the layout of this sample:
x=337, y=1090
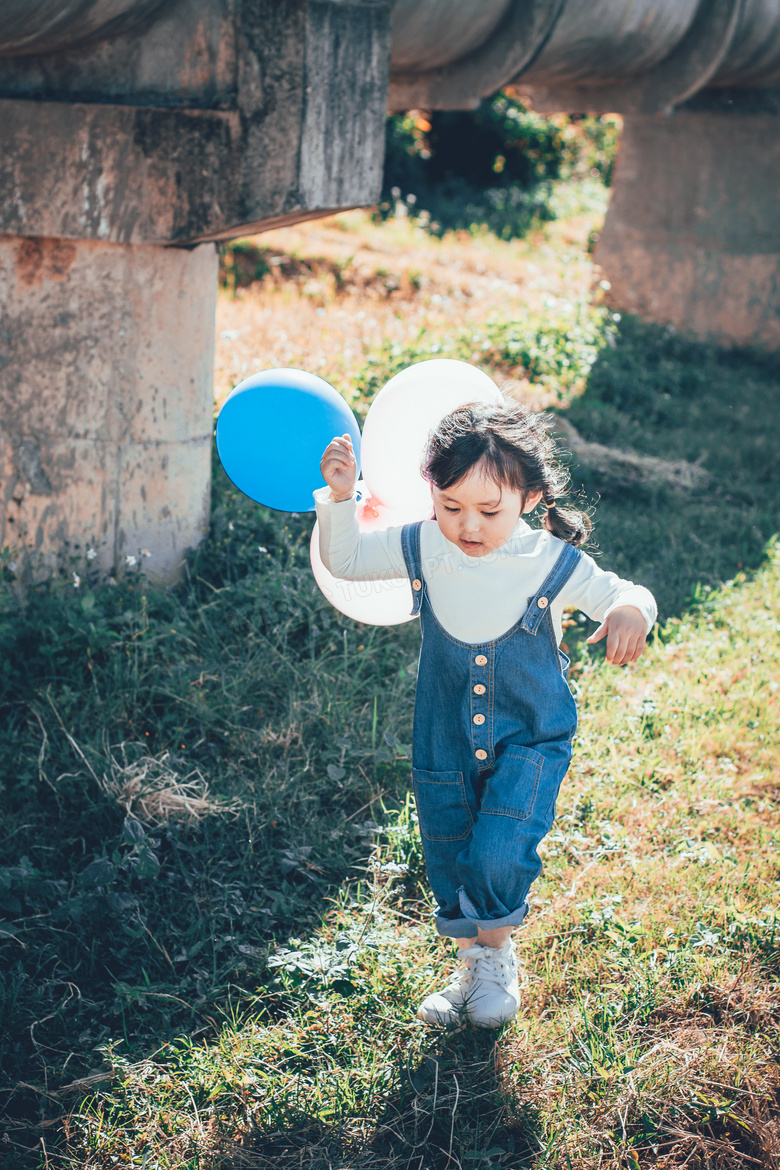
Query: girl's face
x=479, y=515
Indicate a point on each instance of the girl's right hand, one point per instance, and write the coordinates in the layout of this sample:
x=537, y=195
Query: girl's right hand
x=339, y=468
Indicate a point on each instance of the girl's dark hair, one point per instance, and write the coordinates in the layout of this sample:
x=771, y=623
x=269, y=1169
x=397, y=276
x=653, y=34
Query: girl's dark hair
x=513, y=447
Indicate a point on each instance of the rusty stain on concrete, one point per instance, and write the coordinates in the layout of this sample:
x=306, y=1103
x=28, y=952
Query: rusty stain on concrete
x=43, y=259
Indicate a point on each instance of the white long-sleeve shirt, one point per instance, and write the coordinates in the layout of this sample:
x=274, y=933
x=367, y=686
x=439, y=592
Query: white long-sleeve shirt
x=475, y=599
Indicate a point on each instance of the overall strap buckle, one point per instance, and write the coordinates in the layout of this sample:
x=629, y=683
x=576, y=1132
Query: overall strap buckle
x=410, y=544
x=550, y=588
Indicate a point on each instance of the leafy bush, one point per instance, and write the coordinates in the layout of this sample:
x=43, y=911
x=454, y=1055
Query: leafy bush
x=555, y=353
x=489, y=168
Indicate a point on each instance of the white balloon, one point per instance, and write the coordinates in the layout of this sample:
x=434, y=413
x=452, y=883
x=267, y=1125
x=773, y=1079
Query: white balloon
x=402, y=416
x=376, y=603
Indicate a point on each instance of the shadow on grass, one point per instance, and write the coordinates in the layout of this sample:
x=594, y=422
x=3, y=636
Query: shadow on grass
x=452, y=1107
x=671, y=398
x=248, y=697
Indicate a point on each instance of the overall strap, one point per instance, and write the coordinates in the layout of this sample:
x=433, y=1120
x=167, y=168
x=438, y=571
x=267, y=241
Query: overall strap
x=550, y=588
x=410, y=543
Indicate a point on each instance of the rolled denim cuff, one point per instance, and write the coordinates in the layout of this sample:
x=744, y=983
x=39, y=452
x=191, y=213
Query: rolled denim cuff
x=469, y=924
x=455, y=927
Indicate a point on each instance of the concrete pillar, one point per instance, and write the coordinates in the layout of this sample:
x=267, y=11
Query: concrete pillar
x=106, y=367
x=692, y=235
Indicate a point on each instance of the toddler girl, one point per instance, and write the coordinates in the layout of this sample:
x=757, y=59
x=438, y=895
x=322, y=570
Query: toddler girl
x=494, y=716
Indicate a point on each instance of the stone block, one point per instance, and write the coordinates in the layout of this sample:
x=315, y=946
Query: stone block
x=218, y=119
x=692, y=235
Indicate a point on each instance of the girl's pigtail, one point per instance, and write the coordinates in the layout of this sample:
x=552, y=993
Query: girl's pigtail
x=567, y=523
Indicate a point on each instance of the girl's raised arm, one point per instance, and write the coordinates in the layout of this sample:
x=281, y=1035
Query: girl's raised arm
x=347, y=552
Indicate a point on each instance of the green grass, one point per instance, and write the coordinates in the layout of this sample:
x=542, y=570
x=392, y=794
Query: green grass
x=216, y=923
x=661, y=394
x=555, y=353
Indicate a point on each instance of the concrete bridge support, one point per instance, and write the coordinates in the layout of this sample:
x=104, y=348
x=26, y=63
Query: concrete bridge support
x=692, y=236
x=107, y=354
x=134, y=134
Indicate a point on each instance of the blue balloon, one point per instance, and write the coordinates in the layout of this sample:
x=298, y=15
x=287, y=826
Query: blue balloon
x=272, y=431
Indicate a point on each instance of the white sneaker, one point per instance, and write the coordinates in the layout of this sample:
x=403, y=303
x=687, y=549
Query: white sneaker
x=494, y=993
x=446, y=1007
x=487, y=991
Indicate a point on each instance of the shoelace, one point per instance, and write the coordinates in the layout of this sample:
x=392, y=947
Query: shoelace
x=489, y=965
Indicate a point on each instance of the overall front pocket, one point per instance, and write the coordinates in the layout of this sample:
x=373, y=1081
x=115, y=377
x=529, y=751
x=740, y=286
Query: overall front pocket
x=442, y=808
x=512, y=787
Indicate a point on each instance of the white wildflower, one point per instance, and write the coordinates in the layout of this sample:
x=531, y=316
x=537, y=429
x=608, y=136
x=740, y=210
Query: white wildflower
x=129, y=560
x=91, y=554
x=76, y=580
x=393, y=867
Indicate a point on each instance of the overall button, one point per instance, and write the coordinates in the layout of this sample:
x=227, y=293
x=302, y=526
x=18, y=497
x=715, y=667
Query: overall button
x=416, y=585
x=542, y=603
x=481, y=660
x=479, y=720
x=479, y=689
x=481, y=754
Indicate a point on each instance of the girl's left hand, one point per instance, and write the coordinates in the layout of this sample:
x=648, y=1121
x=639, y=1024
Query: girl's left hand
x=626, y=631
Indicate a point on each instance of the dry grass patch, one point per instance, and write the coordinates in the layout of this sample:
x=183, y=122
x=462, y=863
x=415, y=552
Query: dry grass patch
x=339, y=288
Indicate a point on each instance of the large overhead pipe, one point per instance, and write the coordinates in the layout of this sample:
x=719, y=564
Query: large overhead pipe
x=692, y=235
x=45, y=27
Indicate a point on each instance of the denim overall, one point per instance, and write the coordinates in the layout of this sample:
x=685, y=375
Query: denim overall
x=493, y=725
